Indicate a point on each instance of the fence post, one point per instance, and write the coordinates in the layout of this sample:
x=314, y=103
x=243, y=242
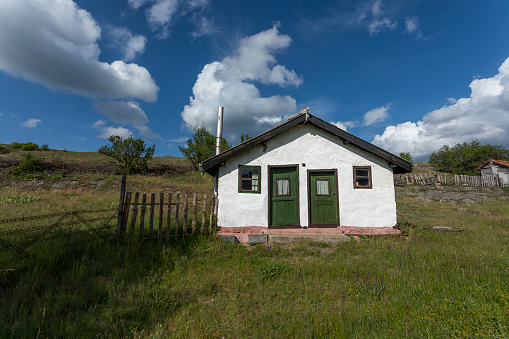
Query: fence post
x=212, y=208
x=184, y=225
x=177, y=218
x=126, y=212
x=168, y=218
x=151, y=225
x=135, y=213
x=120, y=220
x=160, y=229
x=195, y=207
x=204, y=212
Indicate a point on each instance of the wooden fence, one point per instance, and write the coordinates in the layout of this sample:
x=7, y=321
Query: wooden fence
x=164, y=215
x=475, y=181
x=445, y=179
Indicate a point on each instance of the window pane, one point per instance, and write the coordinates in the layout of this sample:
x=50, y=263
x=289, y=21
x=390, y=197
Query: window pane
x=283, y=186
x=247, y=185
x=254, y=184
x=322, y=187
x=362, y=172
x=247, y=172
x=362, y=182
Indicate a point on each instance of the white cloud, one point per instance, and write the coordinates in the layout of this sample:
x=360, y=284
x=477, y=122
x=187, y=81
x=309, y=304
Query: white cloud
x=484, y=116
x=107, y=131
x=31, y=123
x=374, y=14
x=126, y=112
x=345, y=125
x=376, y=115
x=130, y=45
x=412, y=26
x=229, y=83
x=54, y=43
x=162, y=13
x=204, y=27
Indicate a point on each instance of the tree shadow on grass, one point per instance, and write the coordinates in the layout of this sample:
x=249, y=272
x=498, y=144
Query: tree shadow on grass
x=95, y=285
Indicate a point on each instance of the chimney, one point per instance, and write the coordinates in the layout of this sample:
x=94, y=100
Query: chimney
x=219, y=136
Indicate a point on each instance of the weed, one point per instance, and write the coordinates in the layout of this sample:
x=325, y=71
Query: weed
x=19, y=199
x=271, y=269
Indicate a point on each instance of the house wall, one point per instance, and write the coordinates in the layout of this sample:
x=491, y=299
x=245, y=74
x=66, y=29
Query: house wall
x=310, y=148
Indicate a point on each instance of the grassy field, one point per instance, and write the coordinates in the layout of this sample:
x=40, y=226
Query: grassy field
x=425, y=284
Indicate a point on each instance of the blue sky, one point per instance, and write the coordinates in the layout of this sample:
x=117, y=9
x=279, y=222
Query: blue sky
x=406, y=75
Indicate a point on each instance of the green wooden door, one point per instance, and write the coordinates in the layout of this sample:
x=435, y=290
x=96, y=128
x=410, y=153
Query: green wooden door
x=323, y=199
x=284, y=192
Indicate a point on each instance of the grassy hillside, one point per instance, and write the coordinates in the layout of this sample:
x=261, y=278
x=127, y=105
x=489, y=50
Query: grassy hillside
x=421, y=285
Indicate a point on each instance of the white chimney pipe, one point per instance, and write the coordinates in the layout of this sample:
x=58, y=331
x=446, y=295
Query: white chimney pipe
x=219, y=137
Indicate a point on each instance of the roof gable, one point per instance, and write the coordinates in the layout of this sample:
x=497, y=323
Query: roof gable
x=399, y=165
x=498, y=162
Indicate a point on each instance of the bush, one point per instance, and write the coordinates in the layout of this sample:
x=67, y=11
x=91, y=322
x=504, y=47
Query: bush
x=27, y=146
x=4, y=150
x=28, y=169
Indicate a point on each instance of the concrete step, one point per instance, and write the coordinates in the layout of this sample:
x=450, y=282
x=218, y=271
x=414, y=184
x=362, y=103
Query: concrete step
x=289, y=238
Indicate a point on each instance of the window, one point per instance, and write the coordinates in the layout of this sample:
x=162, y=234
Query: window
x=283, y=186
x=322, y=187
x=362, y=177
x=249, y=179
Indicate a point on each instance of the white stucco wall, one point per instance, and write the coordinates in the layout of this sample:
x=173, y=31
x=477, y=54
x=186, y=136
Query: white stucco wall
x=310, y=148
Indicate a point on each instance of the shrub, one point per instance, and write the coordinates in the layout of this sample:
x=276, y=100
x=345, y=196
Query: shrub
x=29, y=146
x=4, y=150
x=28, y=167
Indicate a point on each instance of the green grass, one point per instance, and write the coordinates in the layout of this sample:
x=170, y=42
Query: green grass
x=427, y=284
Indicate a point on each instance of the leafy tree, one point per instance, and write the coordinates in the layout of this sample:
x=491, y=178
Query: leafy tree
x=406, y=156
x=466, y=157
x=201, y=146
x=244, y=137
x=131, y=155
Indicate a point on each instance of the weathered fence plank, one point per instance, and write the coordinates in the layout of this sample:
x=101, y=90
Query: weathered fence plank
x=126, y=212
x=177, y=218
x=195, y=200
x=204, y=213
x=168, y=218
x=184, y=225
x=142, y=216
x=161, y=206
x=135, y=212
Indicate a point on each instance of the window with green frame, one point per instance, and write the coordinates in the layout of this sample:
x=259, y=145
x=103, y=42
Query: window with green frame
x=249, y=179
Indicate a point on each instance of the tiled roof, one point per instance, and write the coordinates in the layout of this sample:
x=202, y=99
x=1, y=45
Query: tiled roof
x=499, y=162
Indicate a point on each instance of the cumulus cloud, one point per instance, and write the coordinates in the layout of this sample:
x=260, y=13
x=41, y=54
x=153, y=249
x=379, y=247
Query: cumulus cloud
x=376, y=115
x=108, y=131
x=161, y=14
x=126, y=112
x=130, y=45
x=374, y=15
x=230, y=83
x=31, y=123
x=484, y=116
x=54, y=43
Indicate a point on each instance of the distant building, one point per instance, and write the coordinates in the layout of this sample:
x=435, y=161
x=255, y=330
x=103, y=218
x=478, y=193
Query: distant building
x=499, y=169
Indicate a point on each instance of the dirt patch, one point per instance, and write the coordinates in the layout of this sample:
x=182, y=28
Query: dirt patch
x=452, y=194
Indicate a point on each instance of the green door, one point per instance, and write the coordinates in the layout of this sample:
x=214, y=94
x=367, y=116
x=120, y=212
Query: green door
x=323, y=199
x=284, y=192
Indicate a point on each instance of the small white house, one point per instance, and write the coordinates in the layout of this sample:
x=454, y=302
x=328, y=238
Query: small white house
x=498, y=169
x=306, y=173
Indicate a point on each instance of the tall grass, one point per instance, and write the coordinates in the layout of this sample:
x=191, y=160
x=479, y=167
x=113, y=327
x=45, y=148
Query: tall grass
x=426, y=284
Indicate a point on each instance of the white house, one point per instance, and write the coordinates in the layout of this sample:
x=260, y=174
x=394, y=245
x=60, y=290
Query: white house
x=499, y=169
x=306, y=173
